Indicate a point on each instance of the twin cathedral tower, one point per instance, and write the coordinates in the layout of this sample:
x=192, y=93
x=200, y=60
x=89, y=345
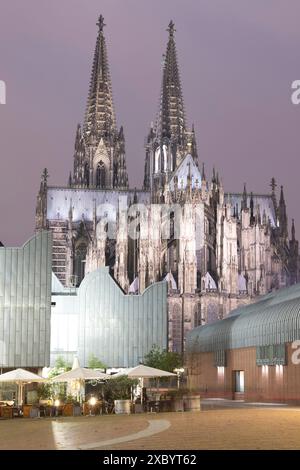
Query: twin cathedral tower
x=222, y=250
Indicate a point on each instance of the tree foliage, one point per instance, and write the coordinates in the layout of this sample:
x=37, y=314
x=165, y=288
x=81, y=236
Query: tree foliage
x=47, y=391
x=163, y=359
x=61, y=366
x=119, y=388
x=95, y=363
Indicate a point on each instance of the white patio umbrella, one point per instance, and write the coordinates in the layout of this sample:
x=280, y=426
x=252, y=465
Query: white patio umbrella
x=20, y=377
x=80, y=375
x=143, y=372
x=148, y=372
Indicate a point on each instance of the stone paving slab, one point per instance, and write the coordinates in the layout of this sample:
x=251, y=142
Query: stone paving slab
x=249, y=428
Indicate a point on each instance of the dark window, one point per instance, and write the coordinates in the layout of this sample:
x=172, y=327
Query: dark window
x=176, y=329
x=220, y=358
x=172, y=225
x=79, y=265
x=100, y=175
x=86, y=174
x=271, y=355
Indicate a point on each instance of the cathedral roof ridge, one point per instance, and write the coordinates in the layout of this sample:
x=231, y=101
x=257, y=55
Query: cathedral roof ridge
x=98, y=190
x=266, y=195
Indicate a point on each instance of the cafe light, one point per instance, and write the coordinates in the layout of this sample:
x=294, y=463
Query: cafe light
x=92, y=401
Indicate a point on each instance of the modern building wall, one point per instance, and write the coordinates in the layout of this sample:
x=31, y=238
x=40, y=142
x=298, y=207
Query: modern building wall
x=25, y=303
x=98, y=318
x=262, y=383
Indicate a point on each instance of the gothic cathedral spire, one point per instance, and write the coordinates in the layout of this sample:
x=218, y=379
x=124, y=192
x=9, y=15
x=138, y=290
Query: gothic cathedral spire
x=171, y=118
x=99, y=159
x=100, y=118
x=169, y=141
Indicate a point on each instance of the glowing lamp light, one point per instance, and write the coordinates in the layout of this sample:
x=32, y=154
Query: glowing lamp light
x=179, y=371
x=92, y=401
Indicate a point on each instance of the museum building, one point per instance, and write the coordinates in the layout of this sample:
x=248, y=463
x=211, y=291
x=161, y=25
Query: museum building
x=253, y=354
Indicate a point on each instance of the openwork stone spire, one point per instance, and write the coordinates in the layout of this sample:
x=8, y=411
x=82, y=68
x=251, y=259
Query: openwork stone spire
x=100, y=118
x=171, y=119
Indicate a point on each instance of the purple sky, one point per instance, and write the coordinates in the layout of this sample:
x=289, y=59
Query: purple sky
x=237, y=59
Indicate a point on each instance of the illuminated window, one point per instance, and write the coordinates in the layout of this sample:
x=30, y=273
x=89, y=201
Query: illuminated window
x=221, y=372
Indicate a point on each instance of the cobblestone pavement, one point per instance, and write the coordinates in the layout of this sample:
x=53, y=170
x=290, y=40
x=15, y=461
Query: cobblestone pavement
x=231, y=428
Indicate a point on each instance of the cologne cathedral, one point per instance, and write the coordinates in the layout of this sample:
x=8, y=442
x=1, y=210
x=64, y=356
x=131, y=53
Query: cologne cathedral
x=217, y=250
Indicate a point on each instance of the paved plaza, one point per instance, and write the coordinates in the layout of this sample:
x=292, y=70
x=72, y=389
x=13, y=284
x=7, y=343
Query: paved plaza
x=216, y=427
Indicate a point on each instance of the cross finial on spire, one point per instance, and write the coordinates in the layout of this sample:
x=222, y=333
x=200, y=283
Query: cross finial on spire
x=101, y=23
x=171, y=28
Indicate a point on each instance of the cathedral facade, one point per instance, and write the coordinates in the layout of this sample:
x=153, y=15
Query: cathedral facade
x=216, y=249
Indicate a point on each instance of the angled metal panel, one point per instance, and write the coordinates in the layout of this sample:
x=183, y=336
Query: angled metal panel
x=25, y=302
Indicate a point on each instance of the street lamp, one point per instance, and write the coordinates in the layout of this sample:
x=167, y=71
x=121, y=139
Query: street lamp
x=178, y=371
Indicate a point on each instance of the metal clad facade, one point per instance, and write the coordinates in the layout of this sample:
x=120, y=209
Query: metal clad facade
x=25, y=303
x=99, y=319
x=120, y=329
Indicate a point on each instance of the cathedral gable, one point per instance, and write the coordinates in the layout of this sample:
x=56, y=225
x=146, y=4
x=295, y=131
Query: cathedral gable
x=101, y=154
x=186, y=169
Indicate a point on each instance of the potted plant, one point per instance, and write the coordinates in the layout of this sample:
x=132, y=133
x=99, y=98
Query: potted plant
x=76, y=407
x=177, y=403
x=71, y=406
x=68, y=406
x=119, y=391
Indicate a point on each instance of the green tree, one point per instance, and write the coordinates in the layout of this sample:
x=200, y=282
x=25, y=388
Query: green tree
x=61, y=366
x=95, y=363
x=163, y=359
x=56, y=390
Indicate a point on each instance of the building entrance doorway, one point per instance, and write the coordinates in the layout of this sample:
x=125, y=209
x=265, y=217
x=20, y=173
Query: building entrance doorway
x=238, y=384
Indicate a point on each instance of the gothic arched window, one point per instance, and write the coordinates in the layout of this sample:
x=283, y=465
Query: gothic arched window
x=79, y=261
x=176, y=329
x=100, y=175
x=157, y=160
x=165, y=157
x=86, y=174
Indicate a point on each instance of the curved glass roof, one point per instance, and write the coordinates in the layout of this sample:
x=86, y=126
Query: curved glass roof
x=274, y=319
